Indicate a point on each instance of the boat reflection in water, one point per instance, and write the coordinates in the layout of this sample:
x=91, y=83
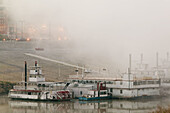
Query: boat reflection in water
x=104, y=106
x=40, y=107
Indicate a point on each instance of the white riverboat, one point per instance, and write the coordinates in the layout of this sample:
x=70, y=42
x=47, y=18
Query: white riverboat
x=36, y=88
x=126, y=86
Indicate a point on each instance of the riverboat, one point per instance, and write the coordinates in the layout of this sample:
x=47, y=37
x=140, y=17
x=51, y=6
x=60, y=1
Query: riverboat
x=128, y=86
x=36, y=88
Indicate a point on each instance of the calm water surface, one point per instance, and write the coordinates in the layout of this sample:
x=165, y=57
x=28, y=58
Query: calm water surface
x=109, y=106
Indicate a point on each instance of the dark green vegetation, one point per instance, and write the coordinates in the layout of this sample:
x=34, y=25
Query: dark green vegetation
x=5, y=87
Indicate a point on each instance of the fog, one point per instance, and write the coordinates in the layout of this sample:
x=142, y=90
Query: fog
x=104, y=31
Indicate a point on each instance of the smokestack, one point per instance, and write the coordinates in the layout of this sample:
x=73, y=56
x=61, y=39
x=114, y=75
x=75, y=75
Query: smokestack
x=35, y=63
x=25, y=75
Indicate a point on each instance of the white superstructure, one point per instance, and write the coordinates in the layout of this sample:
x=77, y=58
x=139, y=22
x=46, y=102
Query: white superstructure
x=126, y=87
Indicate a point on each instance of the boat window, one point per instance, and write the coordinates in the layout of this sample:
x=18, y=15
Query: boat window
x=143, y=82
x=103, y=93
x=150, y=82
x=157, y=82
x=29, y=93
x=121, y=82
x=121, y=91
x=43, y=85
x=135, y=83
x=81, y=92
x=111, y=90
x=83, y=82
x=138, y=82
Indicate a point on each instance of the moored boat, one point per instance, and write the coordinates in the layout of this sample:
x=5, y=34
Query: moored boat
x=38, y=89
x=96, y=94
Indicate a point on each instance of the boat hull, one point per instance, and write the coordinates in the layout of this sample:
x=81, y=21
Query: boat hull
x=27, y=99
x=93, y=98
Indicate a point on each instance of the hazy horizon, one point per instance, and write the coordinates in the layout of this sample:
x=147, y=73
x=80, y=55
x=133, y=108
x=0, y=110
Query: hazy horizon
x=105, y=30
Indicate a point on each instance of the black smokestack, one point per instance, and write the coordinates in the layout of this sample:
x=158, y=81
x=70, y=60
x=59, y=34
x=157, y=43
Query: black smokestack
x=25, y=75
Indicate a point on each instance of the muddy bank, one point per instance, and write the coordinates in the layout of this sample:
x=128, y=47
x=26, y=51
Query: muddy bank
x=5, y=87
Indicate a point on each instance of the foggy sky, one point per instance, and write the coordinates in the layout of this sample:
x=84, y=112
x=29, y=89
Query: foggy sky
x=105, y=29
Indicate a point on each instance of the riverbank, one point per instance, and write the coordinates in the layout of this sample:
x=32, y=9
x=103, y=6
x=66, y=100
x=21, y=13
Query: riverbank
x=5, y=87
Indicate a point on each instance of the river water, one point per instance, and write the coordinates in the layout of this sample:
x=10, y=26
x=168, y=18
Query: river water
x=8, y=57
x=106, y=106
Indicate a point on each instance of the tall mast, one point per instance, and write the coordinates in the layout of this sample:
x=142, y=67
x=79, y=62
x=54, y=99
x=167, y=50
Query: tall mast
x=157, y=60
x=130, y=65
x=129, y=69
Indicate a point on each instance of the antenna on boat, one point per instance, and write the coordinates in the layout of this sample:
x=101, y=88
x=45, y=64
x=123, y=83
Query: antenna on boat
x=167, y=56
x=129, y=69
x=130, y=64
x=141, y=58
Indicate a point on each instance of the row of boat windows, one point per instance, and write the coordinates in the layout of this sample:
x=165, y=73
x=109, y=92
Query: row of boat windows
x=166, y=81
x=149, y=73
x=121, y=91
x=30, y=84
x=145, y=82
x=114, y=82
x=92, y=82
x=21, y=92
x=35, y=76
x=102, y=93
